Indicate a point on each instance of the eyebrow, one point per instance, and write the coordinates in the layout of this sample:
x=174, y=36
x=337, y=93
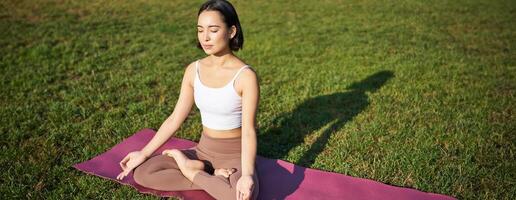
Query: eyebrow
x=209, y=26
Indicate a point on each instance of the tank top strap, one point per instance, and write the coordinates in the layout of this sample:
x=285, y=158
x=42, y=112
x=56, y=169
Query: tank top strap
x=196, y=67
x=197, y=76
x=236, y=75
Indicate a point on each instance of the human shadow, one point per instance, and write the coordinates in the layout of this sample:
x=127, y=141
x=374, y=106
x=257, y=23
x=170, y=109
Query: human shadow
x=290, y=129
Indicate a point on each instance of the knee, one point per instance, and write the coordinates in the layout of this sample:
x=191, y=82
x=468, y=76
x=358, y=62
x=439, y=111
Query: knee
x=142, y=173
x=139, y=175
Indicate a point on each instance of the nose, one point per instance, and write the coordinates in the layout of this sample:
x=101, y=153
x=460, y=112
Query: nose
x=206, y=36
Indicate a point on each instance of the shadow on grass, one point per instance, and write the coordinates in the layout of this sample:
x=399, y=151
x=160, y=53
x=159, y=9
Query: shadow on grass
x=333, y=110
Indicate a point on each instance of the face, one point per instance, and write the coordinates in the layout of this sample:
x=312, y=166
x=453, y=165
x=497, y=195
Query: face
x=213, y=33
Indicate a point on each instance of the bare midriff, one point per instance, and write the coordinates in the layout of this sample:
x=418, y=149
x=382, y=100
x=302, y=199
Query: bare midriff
x=233, y=133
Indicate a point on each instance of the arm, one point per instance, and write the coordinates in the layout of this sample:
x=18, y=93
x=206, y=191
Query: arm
x=178, y=116
x=250, y=101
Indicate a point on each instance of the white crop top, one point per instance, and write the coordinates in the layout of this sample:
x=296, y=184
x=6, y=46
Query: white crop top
x=221, y=108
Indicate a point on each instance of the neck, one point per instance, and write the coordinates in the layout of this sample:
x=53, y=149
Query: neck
x=220, y=58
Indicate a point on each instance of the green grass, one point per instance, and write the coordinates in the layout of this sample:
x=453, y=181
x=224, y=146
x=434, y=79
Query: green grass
x=417, y=94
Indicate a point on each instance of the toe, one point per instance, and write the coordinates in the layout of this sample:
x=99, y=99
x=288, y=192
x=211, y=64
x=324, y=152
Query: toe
x=226, y=173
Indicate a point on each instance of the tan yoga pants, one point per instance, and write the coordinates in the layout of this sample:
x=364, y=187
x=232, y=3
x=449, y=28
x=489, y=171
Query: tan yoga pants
x=162, y=173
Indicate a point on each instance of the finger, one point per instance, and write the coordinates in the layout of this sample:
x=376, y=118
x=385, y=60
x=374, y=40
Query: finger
x=124, y=174
x=123, y=162
x=120, y=176
x=246, y=195
x=243, y=195
x=126, y=158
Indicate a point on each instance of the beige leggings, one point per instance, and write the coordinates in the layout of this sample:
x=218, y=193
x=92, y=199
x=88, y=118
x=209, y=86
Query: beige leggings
x=162, y=173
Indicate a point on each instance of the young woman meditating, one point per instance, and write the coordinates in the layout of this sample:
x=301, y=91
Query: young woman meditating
x=226, y=91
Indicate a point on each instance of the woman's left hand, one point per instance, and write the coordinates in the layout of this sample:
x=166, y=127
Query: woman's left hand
x=244, y=187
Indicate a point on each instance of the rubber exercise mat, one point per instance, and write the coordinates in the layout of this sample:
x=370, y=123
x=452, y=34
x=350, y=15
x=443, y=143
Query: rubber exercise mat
x=278, y=179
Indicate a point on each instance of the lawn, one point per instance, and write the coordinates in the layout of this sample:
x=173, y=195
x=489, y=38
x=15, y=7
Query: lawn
x=417, y=94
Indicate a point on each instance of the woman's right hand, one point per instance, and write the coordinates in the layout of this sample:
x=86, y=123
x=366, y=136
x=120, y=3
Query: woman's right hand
x=131, y=161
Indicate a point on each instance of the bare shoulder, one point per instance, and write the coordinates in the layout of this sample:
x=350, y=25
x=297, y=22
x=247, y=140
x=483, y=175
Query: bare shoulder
x=190, y=73
x=248, y=76
x=190, y=67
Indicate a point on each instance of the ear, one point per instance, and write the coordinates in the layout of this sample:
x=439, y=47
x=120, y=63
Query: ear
x=233, y=31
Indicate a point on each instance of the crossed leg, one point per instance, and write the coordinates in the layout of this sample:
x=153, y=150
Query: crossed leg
x=164, y=172
x=190, y=167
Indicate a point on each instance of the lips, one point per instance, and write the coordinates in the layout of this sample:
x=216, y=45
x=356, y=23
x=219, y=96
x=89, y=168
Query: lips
x=207, y=46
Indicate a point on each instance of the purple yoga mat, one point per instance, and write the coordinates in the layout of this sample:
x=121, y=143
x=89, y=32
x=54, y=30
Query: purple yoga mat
x=278, y=179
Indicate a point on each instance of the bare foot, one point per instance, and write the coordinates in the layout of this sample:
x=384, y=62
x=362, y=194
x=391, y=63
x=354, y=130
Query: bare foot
x=187, y=166
x=181, y=159
x=194, y=164
x=224, y=172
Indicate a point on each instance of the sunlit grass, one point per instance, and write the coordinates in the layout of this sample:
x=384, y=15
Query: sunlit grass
x=411, y=93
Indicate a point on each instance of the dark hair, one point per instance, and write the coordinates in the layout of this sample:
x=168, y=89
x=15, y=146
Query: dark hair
x=229, y=16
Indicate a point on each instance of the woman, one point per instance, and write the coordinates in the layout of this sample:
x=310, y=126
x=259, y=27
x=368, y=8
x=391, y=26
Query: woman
x=226, y=91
